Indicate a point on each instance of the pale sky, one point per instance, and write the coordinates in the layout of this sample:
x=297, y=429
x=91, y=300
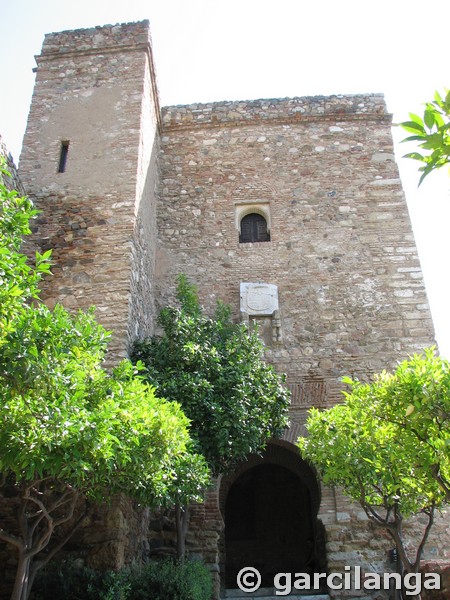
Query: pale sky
x=211, y=50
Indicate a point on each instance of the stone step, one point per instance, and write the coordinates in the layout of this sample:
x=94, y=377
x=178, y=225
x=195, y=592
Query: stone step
x=270, y=594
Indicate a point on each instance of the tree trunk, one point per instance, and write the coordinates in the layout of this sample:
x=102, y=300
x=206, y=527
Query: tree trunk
x=32, y=545
x=20, y=590
x=181, y=518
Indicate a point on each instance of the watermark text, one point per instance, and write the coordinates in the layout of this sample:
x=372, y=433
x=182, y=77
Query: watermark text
x=249, y=580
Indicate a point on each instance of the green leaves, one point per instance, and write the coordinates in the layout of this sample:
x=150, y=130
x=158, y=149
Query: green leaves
x=63, y=415
x=388, y=441
x=432, y=133
x=415, y=126
x=216, y=370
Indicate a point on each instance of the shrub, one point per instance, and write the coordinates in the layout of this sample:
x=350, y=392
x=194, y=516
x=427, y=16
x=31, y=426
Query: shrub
x=170, y=581
x=68, y=580
x=158, y=580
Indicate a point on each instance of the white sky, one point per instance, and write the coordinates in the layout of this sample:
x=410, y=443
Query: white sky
x=207, y=50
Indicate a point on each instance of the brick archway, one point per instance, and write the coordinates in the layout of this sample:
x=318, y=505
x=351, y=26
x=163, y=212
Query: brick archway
x=270, y=505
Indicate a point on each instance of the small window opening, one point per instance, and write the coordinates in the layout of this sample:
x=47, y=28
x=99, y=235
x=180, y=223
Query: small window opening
x=63, y=157
x=254, y=229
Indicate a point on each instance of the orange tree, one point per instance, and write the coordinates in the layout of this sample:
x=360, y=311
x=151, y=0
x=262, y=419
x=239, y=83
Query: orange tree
x=215, y=368
x=69, y=428
x=388, y=446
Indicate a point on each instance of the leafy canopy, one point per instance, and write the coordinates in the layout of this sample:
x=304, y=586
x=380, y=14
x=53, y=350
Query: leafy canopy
x=388, y=445
x=386, y=442
x=66, y=417
x=432, y=132
x=63, y=415
x=415, y=402
x=215, y=368
x=18, y=280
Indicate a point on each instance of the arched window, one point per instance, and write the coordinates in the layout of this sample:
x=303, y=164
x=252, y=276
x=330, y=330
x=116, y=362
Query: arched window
x=254, y=229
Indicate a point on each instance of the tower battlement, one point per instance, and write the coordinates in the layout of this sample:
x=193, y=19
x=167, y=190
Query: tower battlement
x=116, y=38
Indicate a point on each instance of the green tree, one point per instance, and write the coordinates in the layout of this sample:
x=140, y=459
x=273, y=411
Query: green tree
x=387, y=446
x=416, y=400
x=18, y=280
x=215, y=368
x=432, y=132
x=69, y=427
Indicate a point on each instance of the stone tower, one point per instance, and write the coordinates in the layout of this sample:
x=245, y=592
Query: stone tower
x=89, y=161
x=290, y=210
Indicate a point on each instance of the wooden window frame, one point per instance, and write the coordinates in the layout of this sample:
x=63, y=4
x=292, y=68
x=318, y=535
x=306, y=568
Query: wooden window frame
x=253, y=228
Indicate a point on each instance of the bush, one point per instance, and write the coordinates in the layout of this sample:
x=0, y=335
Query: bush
x=163, y=580
x=170, y=581
x=68, y=580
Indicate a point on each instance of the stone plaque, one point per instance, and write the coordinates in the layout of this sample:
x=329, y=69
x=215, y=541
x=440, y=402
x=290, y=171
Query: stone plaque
x=259, y=298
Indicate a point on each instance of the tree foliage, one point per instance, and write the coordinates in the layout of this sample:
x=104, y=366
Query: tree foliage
x=69, y=427
x=415, y=400
x=388, y=445
x=432, y=132
x=215, y=368
x=18, y=279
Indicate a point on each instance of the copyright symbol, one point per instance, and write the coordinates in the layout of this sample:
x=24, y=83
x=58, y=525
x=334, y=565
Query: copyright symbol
x=248, y=579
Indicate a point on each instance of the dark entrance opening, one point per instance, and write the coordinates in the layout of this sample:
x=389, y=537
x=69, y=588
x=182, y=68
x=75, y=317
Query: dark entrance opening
x=270, y=524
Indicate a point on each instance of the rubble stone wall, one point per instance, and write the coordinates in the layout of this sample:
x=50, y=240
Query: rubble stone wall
x=95, y=92
x=341, y=254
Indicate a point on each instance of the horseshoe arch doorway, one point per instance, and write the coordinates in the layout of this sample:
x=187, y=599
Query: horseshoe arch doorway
x=270, y=508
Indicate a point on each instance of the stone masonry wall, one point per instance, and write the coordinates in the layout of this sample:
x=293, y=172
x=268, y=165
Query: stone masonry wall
x=90, y=91
x=141, y=320
x=342, y=253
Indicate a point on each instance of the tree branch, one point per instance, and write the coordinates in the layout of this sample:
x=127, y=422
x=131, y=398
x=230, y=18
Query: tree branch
x=68, y=515
x=394, y=530
x=444, y=484
x=11, y=539
x=38, y=564
x=430, y=513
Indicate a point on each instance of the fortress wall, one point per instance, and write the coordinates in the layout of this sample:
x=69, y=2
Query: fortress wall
x=90, y=90
x=342, y=252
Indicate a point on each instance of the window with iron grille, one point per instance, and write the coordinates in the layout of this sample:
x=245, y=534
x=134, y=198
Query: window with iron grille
x=254, y=229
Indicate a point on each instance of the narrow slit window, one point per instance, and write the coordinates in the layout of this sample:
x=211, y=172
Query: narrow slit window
x=63, y=156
